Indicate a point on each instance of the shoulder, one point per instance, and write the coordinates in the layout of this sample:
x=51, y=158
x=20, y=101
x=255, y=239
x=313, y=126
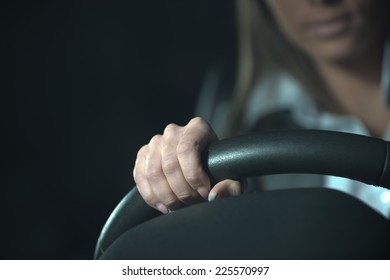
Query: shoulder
x=276, y=91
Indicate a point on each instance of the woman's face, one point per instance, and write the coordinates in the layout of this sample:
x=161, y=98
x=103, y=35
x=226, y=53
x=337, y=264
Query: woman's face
x=334, y=30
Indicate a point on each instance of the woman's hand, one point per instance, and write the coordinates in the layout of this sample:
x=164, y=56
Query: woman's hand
x=168, y=171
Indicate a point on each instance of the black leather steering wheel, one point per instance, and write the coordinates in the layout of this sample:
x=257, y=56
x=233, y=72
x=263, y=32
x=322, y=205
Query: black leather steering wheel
x=341, y=226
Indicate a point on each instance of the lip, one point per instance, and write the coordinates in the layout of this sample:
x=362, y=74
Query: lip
x=329, y=27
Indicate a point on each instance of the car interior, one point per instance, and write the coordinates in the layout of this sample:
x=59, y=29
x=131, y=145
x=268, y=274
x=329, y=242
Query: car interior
x=300, y=223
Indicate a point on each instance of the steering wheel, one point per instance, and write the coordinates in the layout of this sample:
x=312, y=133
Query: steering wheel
x=314, y=223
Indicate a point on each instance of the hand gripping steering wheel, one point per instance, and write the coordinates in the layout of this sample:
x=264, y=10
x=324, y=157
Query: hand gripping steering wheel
x=315, y=223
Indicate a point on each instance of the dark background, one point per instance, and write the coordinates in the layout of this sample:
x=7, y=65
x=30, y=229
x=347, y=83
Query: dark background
x=84, y=84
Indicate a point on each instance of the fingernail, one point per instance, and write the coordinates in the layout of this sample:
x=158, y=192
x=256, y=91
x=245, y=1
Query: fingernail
x=162, y=208
x=204, y=192
x=212, y=196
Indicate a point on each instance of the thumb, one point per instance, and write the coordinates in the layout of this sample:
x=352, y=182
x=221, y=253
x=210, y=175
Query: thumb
x=226, y=188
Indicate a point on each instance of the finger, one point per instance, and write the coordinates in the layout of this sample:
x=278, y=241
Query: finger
x=226, y=188
x=172, y=169
x=141, y=181
x=143, y=172
x=192, y=142
x=155, y=176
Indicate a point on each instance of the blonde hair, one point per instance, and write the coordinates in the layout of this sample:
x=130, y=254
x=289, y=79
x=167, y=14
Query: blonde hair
x=262, y=48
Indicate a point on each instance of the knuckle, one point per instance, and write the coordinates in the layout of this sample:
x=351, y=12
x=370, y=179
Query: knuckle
x=171, y=202
x=167, y=198
x=198, y=121
x=142, y=151
x=187, y=147
x=155, y=140
x=139, y=177
x=203, y=127
x=154, y=173
x=187, y=197
x=170, y=164
x=193, y=178
x=171, y=129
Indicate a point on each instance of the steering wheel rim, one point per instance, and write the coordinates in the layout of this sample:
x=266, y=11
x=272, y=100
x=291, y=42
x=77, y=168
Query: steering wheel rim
x=352, y=156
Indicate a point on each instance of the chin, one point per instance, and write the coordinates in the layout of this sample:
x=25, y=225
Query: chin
x=337, y=52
